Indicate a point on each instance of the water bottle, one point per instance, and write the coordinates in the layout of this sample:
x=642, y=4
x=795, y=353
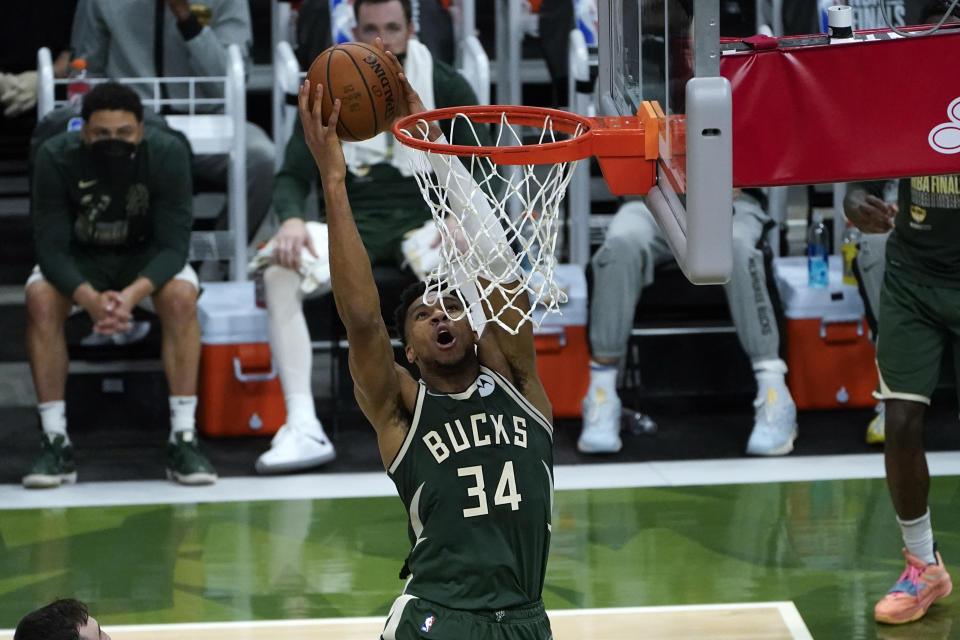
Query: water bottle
x=817, y=267
x=849, y=249
x=77, y=84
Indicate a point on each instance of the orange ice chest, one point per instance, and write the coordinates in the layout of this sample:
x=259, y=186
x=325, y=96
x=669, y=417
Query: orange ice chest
x=830, y=359
x=239, y=391
x=563, y=354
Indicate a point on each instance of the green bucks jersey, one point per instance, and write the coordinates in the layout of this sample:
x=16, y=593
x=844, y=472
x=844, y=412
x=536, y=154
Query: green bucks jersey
x=475, y=473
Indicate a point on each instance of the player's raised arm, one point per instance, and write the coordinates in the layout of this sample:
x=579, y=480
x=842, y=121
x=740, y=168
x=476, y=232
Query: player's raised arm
x=372, y=363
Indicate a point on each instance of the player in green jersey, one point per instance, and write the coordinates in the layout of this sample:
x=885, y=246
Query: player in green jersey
x=469, y=445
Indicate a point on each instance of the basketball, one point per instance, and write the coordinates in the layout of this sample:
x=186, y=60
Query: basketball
x=366, y=84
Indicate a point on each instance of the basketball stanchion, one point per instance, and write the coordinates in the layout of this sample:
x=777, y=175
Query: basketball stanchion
x=463, y=186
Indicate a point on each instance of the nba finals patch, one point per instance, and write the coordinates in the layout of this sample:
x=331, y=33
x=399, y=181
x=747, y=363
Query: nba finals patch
x=428, y=623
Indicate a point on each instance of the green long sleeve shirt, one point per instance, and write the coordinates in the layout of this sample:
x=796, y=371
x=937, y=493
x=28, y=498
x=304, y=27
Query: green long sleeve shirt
x=96, y=226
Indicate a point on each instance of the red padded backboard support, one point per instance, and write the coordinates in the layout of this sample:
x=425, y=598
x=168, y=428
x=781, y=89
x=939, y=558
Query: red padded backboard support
x=842, y=112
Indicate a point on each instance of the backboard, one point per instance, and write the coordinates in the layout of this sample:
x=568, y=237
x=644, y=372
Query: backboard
x=668, y=51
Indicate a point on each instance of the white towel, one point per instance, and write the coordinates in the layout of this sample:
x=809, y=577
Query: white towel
x=418, y=67
x=315, y=270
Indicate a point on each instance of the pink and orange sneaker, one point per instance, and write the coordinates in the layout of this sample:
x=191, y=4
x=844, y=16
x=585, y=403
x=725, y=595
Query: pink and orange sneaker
x=919, y=585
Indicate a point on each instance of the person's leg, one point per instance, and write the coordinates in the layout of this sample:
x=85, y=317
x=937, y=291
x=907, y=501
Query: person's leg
x=755, y=319
x=869, y=266
x=47, y=310
x=301, y=443
x=910, y=345
x=176, y=305
x=622, y=267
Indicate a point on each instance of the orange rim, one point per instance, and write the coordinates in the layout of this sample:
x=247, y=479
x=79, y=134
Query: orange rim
x=576, y=148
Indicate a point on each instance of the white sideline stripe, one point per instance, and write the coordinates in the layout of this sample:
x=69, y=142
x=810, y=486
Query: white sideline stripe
x=377, y=484
x=791, y=617
x=788, y=611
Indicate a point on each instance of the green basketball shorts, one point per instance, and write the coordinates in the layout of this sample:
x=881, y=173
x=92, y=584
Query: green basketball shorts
x=916, y=323
x=411, y=617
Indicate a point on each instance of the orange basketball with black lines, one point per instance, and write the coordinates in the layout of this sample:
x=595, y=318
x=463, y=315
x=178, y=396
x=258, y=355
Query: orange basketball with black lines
x=366, y=84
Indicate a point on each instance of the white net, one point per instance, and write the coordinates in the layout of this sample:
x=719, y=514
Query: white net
x=498, y=226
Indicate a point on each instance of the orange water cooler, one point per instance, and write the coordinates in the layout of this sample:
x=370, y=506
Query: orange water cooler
x=240, y=392
x=830, y=358
x=563, y=354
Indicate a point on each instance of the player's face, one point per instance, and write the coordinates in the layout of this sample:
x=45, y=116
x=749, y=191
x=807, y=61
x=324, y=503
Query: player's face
x=433, y=337
x=386, y=21
x=106, y=124
x=91, y=630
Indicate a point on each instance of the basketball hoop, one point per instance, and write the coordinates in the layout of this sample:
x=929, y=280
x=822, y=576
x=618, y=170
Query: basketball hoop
x=520, y=185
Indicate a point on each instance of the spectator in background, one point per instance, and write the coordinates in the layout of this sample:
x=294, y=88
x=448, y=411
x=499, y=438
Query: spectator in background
x=65, y=619
x=387, y=205
x=146, y=38
x=111, y=213
x=314, y=33
x=624, y=264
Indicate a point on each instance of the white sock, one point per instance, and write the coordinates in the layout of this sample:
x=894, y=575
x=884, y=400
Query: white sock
x=300, y=409
x=603, y=376
x=53, y=418
x=182, y=414
x=770, y=373
x=918, y=537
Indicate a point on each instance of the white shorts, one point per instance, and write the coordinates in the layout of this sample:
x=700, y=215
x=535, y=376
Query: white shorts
x=187, y=274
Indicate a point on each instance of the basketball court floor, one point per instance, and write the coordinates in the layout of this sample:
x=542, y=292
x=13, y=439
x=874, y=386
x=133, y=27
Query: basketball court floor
x=793, y=548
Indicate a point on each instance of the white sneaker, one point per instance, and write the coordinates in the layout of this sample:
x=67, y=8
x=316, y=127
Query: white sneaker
x=296, y=447
x=601, y=423
x=775, y=423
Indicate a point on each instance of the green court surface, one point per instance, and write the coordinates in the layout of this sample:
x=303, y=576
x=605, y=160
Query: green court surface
x=831, y=547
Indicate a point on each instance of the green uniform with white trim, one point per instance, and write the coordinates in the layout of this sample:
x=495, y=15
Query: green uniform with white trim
x=920, y=299
x=475, y=473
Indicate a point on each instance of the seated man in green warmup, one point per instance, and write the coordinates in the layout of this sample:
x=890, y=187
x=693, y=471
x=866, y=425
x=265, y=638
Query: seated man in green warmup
x=112, y=211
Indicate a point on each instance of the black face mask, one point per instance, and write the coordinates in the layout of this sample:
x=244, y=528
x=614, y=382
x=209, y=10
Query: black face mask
x=113, y=150
x=114, y=157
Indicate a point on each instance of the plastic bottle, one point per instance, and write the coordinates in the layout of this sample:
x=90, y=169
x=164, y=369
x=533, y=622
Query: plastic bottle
x=817, y=266
x=849, y=249
x=78, y=84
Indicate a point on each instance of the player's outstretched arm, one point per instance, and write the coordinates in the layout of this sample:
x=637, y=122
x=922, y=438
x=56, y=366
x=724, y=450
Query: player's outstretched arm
x=372, y=364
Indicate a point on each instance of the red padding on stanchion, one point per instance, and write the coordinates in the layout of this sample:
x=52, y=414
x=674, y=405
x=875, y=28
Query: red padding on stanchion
x=841, y=112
